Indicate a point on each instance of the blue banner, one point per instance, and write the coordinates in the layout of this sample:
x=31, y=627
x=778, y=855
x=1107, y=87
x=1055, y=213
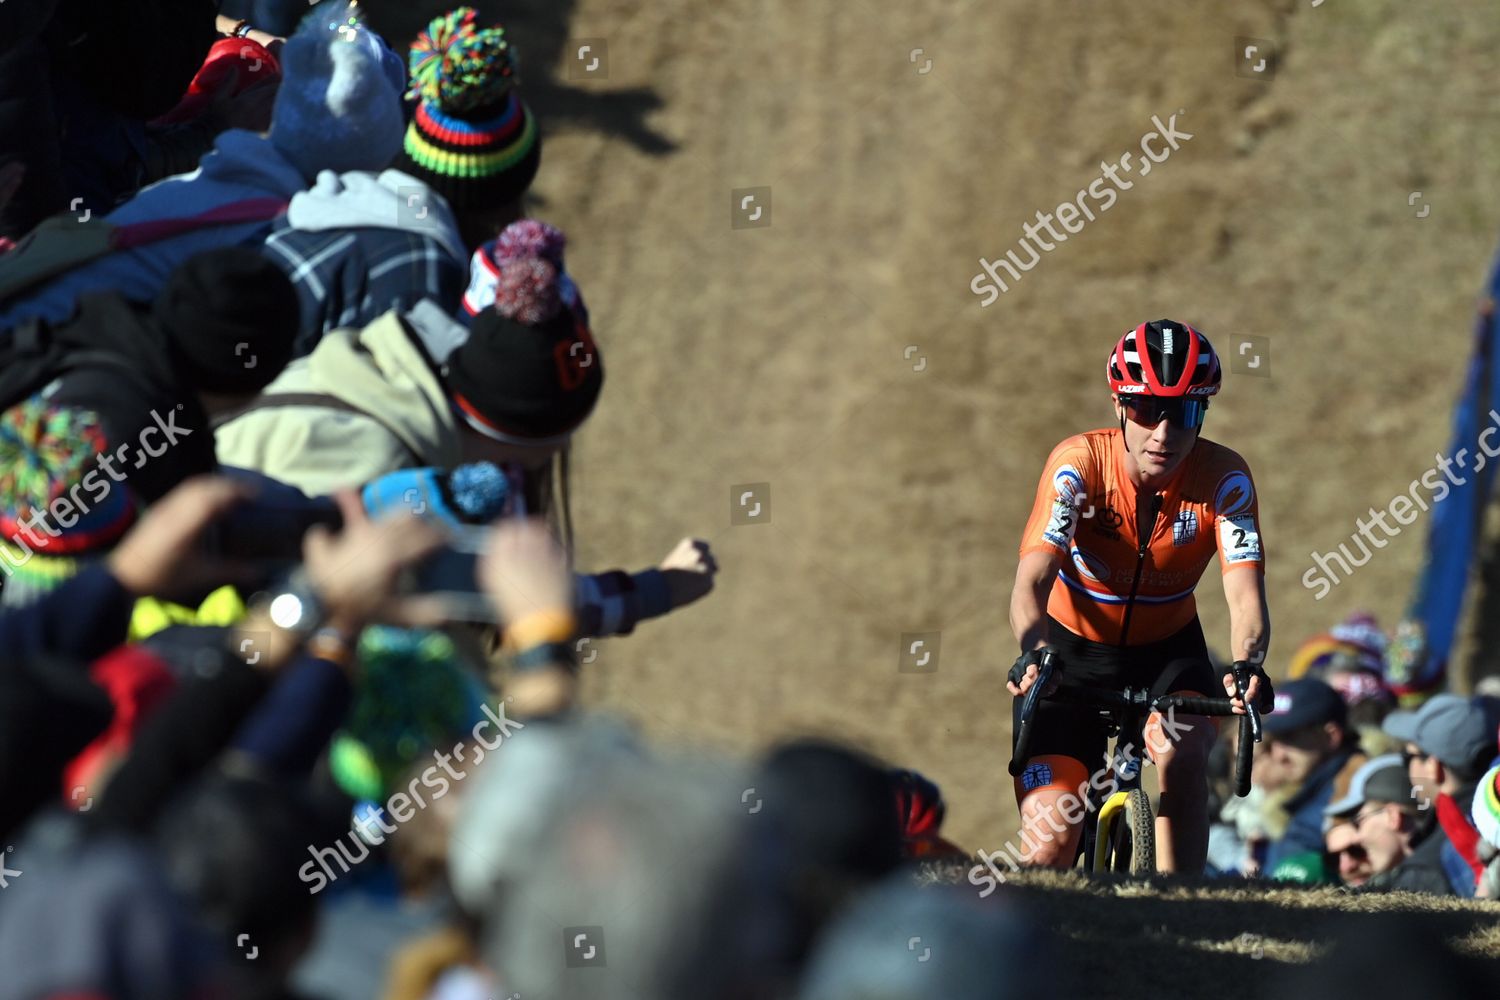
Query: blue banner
x=1457, y=525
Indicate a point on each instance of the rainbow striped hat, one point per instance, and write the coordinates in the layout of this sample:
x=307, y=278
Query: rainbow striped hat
x=472, y=139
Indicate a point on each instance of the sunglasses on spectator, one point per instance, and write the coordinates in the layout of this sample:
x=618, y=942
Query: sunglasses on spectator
x=1355, y=851
x=1149, y=411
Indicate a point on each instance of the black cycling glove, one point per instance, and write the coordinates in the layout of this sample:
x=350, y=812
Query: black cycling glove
x=1018, y=669
x=1265, y=698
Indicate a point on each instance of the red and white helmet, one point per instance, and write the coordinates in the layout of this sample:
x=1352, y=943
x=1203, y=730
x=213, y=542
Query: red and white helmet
x=1177, y=362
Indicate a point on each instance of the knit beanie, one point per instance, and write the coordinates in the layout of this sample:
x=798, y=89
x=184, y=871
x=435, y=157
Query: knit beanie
x=472, y=139
x=337, y=107
x=416, y=692
x=530, y=372
x=54, y=498
x=522, y=238
x=230, y=317
x=1486, y=808
x=346, y=19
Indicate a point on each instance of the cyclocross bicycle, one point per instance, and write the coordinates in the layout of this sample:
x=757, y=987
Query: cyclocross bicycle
x=1119, y=830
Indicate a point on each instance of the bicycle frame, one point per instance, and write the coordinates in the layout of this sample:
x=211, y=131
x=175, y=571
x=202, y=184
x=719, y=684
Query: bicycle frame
x=1127, y=710
x=1127, y=763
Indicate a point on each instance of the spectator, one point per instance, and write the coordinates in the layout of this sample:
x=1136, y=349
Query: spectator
x=905, y=941
x=76, y=98
x=357, y=245
x=125, y=938
x=472, y=140
x=417, y=390
x=117, y=404
x=337, y=109
x=1486, y=815
x=827, y=810
x=1309, y=757
x=1369, y=699
x=1346, y=853
x=231, y=845
x=1397, y=849
x=920, y=809
x=1449, y=744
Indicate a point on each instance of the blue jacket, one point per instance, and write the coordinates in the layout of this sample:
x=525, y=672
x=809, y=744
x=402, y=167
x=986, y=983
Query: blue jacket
x=1305, y=831
x=241, y=166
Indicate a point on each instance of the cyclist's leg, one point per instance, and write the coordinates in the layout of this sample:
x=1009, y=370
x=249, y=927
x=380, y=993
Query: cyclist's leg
x=1179, y=745
x=1051, y=789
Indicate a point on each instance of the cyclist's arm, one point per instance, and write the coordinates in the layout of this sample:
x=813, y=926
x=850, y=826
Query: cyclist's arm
x=1035, y=576
x=1249, y=621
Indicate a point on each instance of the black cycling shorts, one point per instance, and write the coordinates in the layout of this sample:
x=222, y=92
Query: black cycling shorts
x=1177, y=663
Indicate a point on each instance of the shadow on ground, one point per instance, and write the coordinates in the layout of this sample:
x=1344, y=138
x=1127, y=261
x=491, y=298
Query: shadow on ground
x=1169, y=938
x=540, y=32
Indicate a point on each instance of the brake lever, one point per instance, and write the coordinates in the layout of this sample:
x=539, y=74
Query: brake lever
x=1044, y=671
x=1242, y=685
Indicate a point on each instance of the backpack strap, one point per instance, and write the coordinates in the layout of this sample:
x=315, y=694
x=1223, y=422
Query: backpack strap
x=327, y=401
x=136, y=234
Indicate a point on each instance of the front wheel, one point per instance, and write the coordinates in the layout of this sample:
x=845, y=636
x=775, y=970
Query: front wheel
x=1133, y=837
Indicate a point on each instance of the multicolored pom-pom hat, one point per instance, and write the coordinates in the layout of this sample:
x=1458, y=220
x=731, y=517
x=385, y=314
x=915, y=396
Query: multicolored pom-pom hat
x=472, y=139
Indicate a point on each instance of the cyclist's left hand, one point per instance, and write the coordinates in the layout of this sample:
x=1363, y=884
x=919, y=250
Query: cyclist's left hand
x=1260, y=692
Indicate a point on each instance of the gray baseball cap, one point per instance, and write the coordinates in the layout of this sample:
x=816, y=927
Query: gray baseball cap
x=1458, y=731
x=1381, y=779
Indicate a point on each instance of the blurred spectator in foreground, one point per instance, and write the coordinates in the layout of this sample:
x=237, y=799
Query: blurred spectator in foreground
x=1449, y=744
x=1307, y=759
x=93, y=917
x=1382, y=840
x=829, y=807
x=899, y=940
x=921, y=809
x=636, y=855
x=232, y=845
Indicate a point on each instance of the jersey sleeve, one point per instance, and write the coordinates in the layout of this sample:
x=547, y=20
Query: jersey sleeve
x=1236, y=510
x=1061, y=498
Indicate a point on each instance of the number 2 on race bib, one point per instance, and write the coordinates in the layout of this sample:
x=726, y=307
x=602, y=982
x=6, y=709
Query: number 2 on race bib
x=1060, y=527
x=1239, y=538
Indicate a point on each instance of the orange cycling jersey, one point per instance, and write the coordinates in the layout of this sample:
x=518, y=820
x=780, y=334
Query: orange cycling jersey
x=1110, y=587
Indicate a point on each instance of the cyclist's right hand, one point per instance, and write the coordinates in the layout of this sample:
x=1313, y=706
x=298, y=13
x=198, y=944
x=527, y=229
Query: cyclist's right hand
x=1024, y=672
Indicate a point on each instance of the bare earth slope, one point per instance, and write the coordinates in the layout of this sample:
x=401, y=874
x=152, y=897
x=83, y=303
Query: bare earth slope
x=839, y=356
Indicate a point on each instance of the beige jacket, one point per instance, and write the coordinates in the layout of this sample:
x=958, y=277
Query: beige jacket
x=404, y=418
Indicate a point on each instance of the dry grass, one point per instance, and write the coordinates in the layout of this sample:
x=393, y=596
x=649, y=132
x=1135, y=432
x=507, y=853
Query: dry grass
x=1242, y=938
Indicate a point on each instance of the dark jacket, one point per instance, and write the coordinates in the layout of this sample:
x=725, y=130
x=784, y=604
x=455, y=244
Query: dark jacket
x=154, y=422
x=49, y=709
x=1422, y=871
x=28, y=128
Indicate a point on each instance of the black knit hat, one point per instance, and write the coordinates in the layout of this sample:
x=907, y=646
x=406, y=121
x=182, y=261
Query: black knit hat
x=230, y=317
x=526, y=384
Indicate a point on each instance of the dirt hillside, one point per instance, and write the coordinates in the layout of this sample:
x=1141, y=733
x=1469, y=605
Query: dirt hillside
x=834, y=352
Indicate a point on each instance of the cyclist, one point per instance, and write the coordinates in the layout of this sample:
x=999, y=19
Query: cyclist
x=1124, y=524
